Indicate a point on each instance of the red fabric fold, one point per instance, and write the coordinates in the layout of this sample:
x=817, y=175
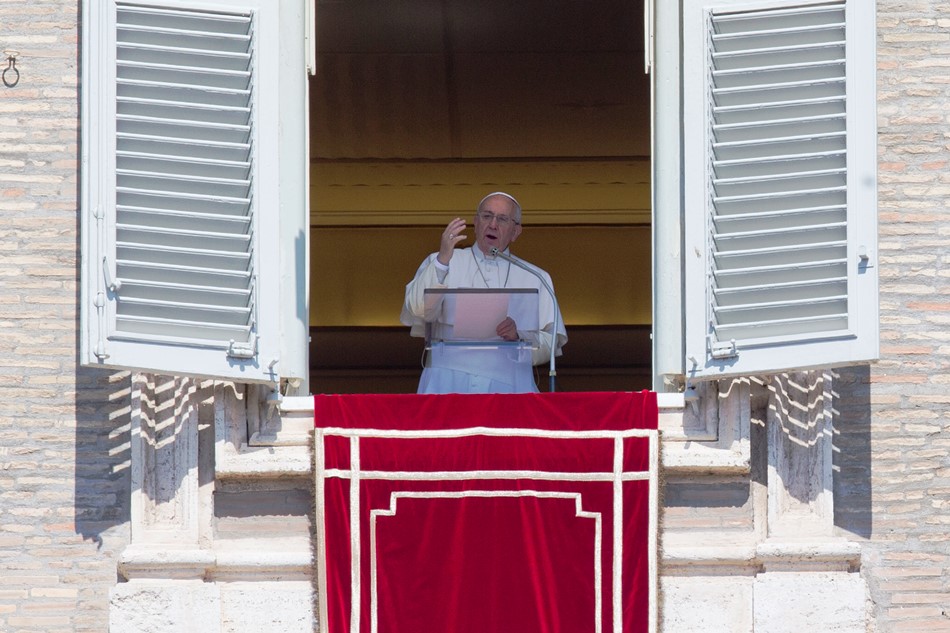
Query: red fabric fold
x=501, y=531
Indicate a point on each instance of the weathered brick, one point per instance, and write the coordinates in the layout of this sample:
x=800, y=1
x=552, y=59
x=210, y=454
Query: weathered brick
x=38, y=622
x=920, y=598
x=915, y=612
x=913, y=585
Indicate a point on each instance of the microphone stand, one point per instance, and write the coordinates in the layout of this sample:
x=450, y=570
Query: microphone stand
x=511, y=259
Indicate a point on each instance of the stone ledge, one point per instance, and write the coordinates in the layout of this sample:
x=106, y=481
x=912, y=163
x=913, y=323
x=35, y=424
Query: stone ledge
x=284, y=450
x=698, y=458
x=264, y=461
x=690, y=556
x=252, y=559
x=832, y=554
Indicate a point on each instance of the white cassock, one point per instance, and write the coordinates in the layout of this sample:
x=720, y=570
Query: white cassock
x=466, y=370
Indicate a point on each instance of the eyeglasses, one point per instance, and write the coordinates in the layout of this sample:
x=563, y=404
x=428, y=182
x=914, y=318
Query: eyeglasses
x=503, y=220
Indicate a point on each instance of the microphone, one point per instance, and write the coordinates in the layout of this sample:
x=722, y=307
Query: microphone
x=511, y=259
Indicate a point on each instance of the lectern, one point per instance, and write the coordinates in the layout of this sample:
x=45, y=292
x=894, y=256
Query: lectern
x=460, y=332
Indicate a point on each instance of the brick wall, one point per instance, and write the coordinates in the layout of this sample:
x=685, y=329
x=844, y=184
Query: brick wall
x=64, y=476
x=893, y=431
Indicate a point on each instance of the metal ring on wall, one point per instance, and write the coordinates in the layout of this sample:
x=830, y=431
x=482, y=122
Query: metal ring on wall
x=10, y=80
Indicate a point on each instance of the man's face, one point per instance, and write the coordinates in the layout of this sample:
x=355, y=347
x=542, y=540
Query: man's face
x=492, y=233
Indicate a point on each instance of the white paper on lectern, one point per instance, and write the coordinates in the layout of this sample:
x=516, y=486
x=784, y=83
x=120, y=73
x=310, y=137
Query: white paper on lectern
x=477, y=315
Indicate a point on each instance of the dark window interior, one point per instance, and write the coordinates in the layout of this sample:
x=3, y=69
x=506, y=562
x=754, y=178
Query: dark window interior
x=418, y=109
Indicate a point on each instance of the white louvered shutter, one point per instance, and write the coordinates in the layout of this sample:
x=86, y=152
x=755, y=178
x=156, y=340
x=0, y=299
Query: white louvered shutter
x=182, y=196
x=779, y=176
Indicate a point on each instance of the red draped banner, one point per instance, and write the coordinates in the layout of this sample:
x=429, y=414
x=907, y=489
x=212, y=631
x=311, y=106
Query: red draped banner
x=499, y=513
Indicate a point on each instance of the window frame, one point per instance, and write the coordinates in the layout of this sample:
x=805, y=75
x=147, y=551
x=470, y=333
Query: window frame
x=287, y=282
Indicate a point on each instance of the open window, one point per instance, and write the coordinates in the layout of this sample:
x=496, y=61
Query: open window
x=754, y=253
x=421, y=107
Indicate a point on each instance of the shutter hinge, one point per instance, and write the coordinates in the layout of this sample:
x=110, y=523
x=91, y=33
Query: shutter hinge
x=100, y=301
x=243, y=350
x=720, y=349
x=100, y=350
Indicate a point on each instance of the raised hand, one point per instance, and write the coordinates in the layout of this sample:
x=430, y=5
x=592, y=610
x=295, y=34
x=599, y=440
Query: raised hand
x=451, y=236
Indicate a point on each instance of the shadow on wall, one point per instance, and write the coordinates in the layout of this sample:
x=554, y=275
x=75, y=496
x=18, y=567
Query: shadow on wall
x=103, y=458
x=851, y=458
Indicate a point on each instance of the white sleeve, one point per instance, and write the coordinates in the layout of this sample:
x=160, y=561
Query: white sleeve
x=414, y=307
